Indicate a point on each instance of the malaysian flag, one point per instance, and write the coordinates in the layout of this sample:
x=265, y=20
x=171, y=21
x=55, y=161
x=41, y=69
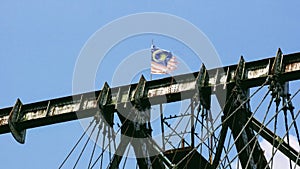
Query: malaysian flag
x=162, y=61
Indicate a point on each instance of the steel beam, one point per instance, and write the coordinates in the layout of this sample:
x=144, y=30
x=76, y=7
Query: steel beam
x=165, y=90
x=278, y=142
x=237, y=111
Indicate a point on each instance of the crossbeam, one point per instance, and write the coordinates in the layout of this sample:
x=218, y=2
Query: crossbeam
x=267, y=134
x=159, y=91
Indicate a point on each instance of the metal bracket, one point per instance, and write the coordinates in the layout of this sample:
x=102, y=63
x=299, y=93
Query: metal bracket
x=103, y=100
x=140, y=89
x=277, y=64
x=138, y=97
x=104, y=96
x=240, y=71
x=277, y=87
x=242, y=93
x=14, y=117
x=203, y=91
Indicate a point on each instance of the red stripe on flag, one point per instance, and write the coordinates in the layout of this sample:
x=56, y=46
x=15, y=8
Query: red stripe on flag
x=157, y=68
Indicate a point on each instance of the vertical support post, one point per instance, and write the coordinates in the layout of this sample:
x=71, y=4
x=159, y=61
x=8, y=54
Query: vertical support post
x=192, y=124
x=136, y=126
x=220, y=144
x=162, y=126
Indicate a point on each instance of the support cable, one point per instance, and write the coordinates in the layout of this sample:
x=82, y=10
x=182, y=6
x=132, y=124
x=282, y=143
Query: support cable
x=109, y=145
x=182, y=137
x=87, y=141
x=298, y=159
x=202, y=126
x=227, y=150
x=103, y=143
x=174, y=130
x=240, y=133
x=262, y=127
x=286, y=126
x=268, y=109
x=76, y=144
x=270, y=103
x=195, y=148
x=244, y=102
x=126, y=157
x=177, y=124
x=109, y=140
x=277, y=101
x=283, y=141
x=95, y=144
x=222, y=109
x=291, y=109
x=198, y=112
x=273, y=153
x=222, y=136
x=215, y=140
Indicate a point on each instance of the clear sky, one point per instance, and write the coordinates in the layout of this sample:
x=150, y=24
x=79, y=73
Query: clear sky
x=40, y=42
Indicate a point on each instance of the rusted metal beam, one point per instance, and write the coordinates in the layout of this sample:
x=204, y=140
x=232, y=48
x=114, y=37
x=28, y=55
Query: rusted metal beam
x=282, y=146
x=237, y=112
x=165, y=90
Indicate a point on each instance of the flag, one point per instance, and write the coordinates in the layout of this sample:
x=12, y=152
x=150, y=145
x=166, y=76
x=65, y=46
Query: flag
x=162, y=61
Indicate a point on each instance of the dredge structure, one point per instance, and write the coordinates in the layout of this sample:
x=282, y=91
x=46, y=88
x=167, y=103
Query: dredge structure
x=231, y=139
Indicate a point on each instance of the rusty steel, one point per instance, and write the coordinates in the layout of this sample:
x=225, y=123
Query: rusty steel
x=156, y=91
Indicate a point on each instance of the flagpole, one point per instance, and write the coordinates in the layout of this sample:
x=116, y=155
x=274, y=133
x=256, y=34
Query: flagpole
x=150, y=63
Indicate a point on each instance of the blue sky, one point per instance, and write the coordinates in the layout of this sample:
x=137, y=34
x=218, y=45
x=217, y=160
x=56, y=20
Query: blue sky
x=41, y=41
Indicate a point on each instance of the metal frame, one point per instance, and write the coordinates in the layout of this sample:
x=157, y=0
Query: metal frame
x=136, y=99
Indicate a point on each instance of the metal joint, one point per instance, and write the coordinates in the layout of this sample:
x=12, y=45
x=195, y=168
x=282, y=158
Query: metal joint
x=104, y=98
x=239, y=75
x=278, y=88
x=203, y=90
x=240, y=71
x=13, y=120
x=139, y=97
x=277, y=64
